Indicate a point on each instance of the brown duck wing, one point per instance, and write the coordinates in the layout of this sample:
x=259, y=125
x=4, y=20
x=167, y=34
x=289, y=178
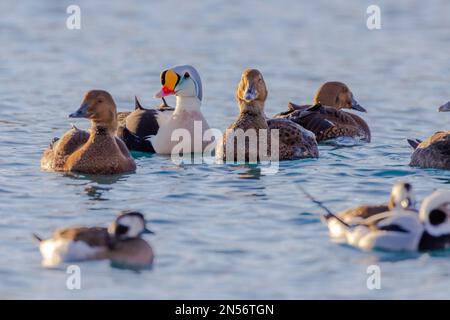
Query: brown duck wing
x=121, y=118
x=363, y=212
x=291, y=108
x=434, y=152
x=362, y=125
x=94, y=237
x=326, y=122
x=56, y=154
x=294, y=141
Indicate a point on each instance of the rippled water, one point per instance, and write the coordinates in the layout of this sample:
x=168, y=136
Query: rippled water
x=221, y=231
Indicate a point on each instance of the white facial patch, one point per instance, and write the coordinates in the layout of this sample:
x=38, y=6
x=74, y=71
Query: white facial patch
x=401, y=196
x=134, y=223
x=437, y=200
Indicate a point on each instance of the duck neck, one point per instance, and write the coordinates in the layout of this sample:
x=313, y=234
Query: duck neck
x=190, y=104
x=253, y=108
x=103, y=129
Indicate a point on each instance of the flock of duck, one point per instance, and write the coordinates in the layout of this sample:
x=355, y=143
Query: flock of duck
x=105, y=149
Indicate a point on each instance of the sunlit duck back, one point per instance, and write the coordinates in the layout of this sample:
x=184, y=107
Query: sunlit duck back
x=98, y=151
x=293, y=141
x=433, y=152
x=327, y=118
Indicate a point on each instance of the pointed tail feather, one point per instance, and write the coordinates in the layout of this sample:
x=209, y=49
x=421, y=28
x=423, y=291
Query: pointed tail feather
x=414, y=143
x=137, y=104
x=38, y=238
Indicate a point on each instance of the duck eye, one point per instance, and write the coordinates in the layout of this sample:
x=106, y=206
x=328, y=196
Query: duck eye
x=99, y=100
x=437, y=217
x=186, y=75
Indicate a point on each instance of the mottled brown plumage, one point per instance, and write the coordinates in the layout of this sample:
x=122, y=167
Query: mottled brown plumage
x=294, y=142
x=96, y=152
x=326, y=118
x=434, y=152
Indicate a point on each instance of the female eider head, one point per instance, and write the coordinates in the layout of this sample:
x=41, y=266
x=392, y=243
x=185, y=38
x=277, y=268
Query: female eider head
x=128, y=225
x=99, y=107
x=252, y=89
x=435, y=213
x=181, y=81
x=336, y=94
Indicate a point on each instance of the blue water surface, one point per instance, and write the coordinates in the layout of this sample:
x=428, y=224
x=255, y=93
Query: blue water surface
x=222, y=231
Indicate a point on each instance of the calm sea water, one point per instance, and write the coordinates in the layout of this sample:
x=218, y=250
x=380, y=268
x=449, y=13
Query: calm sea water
x=221, y=231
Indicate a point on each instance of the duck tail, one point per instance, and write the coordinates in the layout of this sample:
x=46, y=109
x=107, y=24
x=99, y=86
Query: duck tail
x=414, y=143
x=328, y=214
x=137, y=104
x=315, y=107
x=37, y=238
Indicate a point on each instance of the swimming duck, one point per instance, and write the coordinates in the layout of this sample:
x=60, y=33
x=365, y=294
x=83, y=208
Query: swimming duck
x=294, y=141
x=98, y=151
x=326, y=117
x=434, y=152
x=151, y=130
x=121, y=243
x=401, y=198
x=404, y=230
x=141, y=124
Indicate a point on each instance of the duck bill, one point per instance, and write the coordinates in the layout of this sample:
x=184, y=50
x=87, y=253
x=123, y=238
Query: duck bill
x=82, y=112
x=356, y=106
x=250, y=93
x=164, y=92
x=445, y=107
x=148, y=231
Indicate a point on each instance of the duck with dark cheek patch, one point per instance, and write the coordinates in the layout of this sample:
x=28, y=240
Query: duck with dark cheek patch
x=98, y=151
x=294, y=142
x=121, y=243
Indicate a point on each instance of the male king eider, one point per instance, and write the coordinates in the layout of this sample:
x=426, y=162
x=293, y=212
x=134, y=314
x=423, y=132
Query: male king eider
x=151, y=130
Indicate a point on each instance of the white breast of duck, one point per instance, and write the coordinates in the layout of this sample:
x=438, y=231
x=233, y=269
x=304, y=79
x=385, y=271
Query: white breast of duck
x=189, y=119
x=184, y=82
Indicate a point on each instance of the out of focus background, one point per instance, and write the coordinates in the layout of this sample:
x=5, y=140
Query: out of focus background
x=221, y=231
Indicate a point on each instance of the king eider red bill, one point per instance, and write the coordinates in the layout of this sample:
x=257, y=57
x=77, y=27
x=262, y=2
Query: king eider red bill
x=169, y=81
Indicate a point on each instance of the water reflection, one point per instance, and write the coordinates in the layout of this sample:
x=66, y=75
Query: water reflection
x=100, y=179
x=96, y=186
